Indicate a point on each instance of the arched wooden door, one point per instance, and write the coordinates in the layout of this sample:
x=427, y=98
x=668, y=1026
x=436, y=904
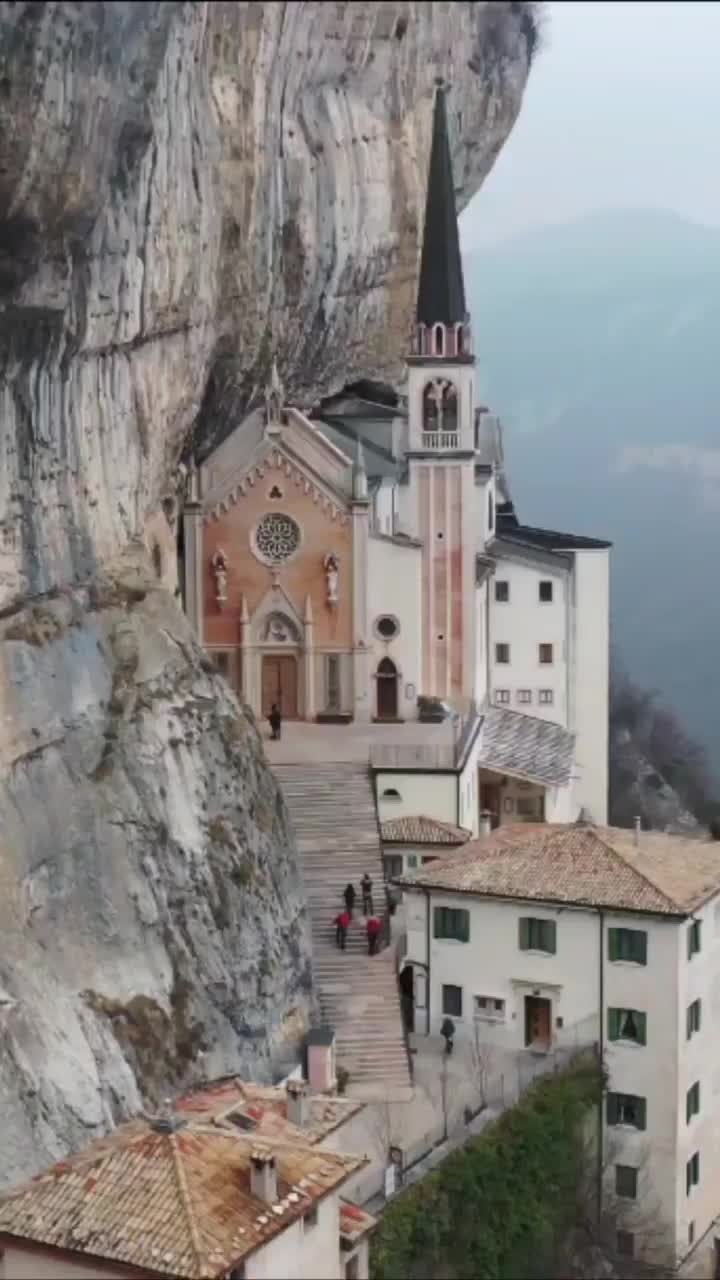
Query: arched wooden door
x=279, y=685
x=387, y=690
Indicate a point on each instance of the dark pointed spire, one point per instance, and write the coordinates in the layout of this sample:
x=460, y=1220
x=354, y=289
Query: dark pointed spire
x=441, y=292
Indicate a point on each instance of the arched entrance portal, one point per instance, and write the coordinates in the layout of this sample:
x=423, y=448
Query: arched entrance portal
x=279, y=676
x=387, y=690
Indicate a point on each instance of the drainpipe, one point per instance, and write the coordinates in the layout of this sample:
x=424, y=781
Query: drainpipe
x=427, y=957
x=601, y=997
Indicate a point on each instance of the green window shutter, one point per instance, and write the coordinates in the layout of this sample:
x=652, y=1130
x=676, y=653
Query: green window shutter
x=464, y=932
x=641, y=937
x=613, y=1024
x=641, y=1022
x=612, y=1108
x=550, y=931
x=641, y=1113
x=697, y=1098
x=690, y=942
x=524, y=934
x=688, y=1106
x=613, y=944
x=688, y=1022
x=437, y=922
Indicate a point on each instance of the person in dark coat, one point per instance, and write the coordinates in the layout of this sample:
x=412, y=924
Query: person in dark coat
x=349, y=896
x=275, y=719
x=372, y=929
x=342, y=924
x=447, y=1031
x=366, y=886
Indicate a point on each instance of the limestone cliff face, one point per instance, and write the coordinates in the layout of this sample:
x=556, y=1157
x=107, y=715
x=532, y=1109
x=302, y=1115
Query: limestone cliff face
x=186, y=190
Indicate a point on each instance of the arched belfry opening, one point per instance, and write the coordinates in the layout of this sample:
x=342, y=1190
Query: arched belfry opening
x=387, y=690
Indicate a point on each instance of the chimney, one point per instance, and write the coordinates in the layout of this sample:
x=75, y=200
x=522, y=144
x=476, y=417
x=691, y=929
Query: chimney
x=263, y=1175
x=485, y=824
x=297, y=1102
x=637, y=825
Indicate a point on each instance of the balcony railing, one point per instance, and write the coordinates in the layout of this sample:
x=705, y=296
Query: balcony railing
x=440, y=439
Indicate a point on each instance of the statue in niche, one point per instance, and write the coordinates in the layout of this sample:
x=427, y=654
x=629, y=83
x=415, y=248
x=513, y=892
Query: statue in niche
x=219, y=566
x=279, y=630
x=331, y=565
x=274, y=398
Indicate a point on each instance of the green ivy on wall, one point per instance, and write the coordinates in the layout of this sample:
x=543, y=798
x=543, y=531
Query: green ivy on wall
x=496, y=1209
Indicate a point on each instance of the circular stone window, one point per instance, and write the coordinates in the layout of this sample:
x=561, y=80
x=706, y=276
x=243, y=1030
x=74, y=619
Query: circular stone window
x=387, y=627
x=276, y=538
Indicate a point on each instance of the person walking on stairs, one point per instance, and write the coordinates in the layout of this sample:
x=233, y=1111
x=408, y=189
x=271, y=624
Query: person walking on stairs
x=349, y=896
x=372, y=929
x=275, y=719
x=342, y=924
x=366, y=886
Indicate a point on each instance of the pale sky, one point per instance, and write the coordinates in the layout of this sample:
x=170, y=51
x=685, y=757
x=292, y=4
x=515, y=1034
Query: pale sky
x=622, y=109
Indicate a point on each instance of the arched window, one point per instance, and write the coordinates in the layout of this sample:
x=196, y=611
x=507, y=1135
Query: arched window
x=459, y=339
x=387, y=690
x=439, y=340
x=421, y=340
x=431, y=407
x=391, y=793
x=449, y=407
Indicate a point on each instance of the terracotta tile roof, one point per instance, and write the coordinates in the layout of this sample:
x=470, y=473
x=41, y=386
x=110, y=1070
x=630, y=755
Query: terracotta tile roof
x=354, y=1223
x=264, y=1109
x=176, y=1203
x=600, y=866
x=526, y=746
x=422, y=831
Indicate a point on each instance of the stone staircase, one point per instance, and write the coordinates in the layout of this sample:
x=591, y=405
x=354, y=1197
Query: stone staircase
x=332, y=810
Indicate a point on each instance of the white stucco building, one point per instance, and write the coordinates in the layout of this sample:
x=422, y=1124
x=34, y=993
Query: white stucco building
x=536, y=939
x=361, y=560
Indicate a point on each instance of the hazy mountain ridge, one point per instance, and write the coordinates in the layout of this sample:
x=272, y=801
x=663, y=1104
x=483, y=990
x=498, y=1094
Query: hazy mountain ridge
x=597, y=347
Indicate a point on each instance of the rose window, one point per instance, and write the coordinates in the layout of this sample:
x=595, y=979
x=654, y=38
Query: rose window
x=277, y=537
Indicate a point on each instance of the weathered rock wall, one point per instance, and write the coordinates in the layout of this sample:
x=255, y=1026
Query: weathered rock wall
x=186, y=190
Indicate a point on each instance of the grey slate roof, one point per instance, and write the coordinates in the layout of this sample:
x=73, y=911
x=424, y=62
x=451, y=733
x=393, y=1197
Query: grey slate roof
x=534, y=748
x=510, y=529
x=441, y=291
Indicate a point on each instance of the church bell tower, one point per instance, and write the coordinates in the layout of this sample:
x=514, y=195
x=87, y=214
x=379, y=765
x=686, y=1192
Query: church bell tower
x=441, y=438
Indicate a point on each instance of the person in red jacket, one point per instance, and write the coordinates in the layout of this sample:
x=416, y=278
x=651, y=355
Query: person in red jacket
x=342, y=924
x=373, y=928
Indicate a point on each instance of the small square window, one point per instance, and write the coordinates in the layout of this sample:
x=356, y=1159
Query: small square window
x=626, y=1181
x=545, y=697
x=502, y=591
x=502, y=653
x=502, y=697
x=487, y=1007
x=545, y=653
x=310, y=1218
x=626, y=1244
x=452, y=1000
x=524, y=695
x=545, y=592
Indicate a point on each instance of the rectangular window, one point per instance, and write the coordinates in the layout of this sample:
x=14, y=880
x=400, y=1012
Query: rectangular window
x=524, y=695
x=452, y=1000
x=545, y=697
x=502, y=591
x=627, y=944
x=627, y=1024
x=626, y=1181
x=693, y=938
x=393, y=865
x=545, y=592
x=545, y=654
x=451, y=922
x=693, y=1018
x=692, y=1172
x=332, y=686
x=626, y=1244
x=626, y=1108
x=537, y=935
x=502, y=697
x=529, y=806
x=413, y=861
x=692, y=1101
x=502, y=653
x=490, y=1008
x=310, y=1218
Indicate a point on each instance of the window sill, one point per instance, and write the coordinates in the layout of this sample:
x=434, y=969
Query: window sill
x=627, y=1044
x=629, y=964
x=454, y=942
x=529, y=951
x=626, y=1128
